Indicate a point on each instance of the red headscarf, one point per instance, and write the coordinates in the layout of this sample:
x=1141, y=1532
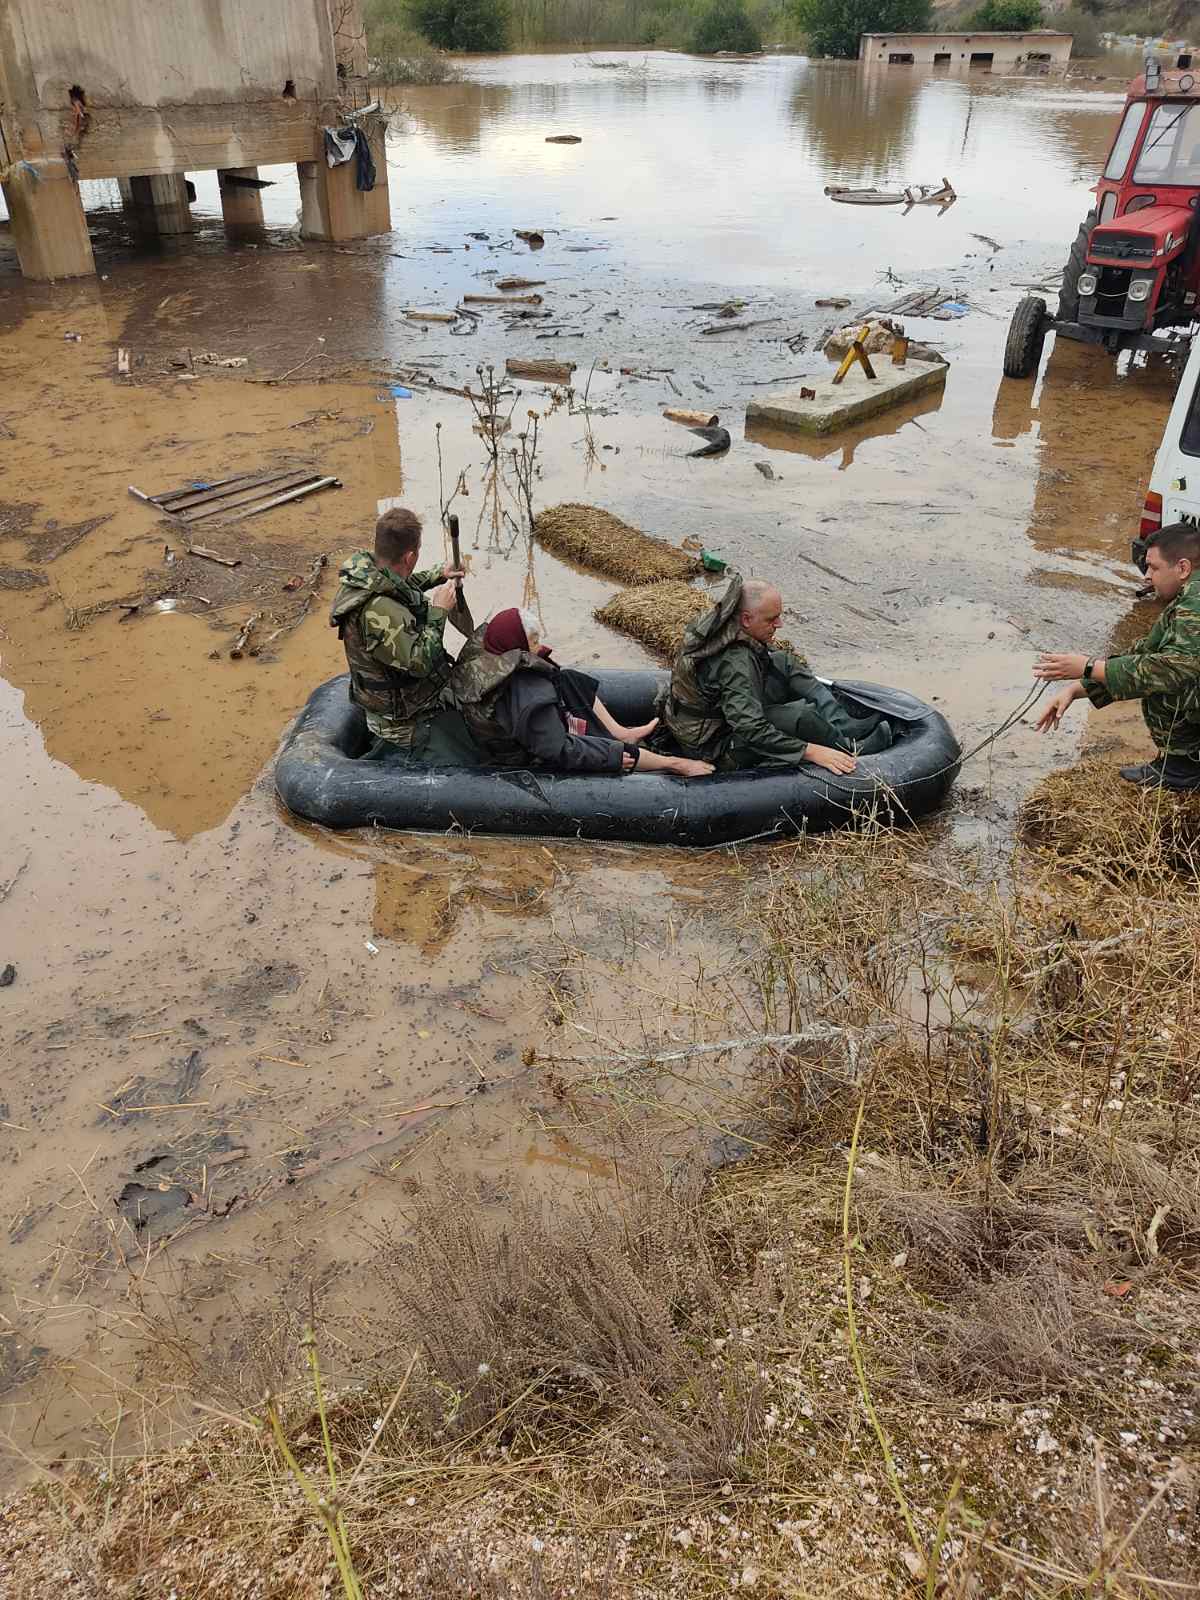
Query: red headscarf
x=505, y=632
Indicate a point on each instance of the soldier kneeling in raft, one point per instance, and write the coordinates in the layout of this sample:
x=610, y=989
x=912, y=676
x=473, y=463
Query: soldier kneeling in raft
x=1162, y=670
x=735, y=701
x=523, y=709
x=391, y=620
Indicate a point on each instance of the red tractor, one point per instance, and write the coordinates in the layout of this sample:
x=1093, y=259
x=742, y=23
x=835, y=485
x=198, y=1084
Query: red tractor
x=1133, y=276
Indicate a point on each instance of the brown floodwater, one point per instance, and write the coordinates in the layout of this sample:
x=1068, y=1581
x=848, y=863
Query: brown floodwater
x=233, y=1042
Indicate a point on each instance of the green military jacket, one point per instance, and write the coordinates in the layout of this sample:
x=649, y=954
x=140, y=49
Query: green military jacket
x=1163, y=672
x=714, y=707
x=399, y=668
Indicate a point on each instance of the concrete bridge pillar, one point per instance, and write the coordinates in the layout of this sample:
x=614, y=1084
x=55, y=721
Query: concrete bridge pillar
x=161, y=201
x=333, y=207
x=48, y=223
x=241, y=206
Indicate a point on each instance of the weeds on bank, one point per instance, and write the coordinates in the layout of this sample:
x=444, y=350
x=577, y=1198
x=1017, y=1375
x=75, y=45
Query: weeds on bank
x=932, y=1335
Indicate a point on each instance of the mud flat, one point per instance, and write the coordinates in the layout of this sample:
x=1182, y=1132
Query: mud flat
x=238, y=1047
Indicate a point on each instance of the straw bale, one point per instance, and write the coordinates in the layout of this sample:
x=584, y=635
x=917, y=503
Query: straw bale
x=602, y=542
x=656, y=614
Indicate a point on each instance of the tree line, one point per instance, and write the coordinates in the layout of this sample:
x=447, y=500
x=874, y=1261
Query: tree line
x=822, y=27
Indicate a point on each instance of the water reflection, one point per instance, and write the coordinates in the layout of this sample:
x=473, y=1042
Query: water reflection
x=855, y=125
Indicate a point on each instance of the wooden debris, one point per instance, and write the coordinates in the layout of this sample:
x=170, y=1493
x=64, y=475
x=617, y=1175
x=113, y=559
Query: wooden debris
x=563, y=138
x=692, y=419
x=211, y=555
x=520, y=283
x=739, y=327
x=503, y=299
x=431, y=316
x=531, y=237
x=540, y=371
x=239, y=647
x=292, y=494
x=856, y=352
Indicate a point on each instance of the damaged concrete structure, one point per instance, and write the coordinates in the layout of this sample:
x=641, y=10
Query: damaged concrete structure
x=145, y=93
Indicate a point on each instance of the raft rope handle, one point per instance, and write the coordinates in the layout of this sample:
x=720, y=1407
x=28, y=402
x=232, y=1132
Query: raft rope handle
x=1028, y=701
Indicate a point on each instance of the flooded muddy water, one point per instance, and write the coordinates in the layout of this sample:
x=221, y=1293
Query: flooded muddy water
x=232, y=1040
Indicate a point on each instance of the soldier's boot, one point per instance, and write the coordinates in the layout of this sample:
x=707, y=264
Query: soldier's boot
x=879, y=739
x=1178, y=773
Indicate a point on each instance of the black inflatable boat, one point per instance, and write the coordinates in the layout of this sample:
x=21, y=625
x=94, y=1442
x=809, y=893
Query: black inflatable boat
x=317, y=776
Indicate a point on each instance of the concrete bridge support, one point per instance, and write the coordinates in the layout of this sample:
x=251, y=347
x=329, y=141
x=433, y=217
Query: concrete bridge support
x=162, y=204
x=241, y=207
x=48, y=222
x=333, y=207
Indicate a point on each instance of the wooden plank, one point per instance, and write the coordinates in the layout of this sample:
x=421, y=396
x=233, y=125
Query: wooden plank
x=182, y=502
x=166, y=496
x=293, y=494
x=247, y=497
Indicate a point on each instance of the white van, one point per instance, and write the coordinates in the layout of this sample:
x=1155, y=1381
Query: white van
x=1174, y=492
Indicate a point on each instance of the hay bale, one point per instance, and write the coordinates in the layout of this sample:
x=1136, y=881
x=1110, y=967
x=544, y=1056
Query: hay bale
x=656, y=614
x=602, y=542
x=1101, y=826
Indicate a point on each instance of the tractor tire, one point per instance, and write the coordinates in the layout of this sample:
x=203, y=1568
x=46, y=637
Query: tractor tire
x=1068, y=294
x=1026, y=338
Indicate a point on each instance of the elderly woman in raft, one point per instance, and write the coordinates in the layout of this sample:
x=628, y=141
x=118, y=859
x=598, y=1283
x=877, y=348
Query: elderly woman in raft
x=523, y=709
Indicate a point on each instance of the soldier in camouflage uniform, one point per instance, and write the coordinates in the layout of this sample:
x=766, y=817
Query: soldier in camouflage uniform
x=737, y=702
x=391, y=620
x=1162, y=670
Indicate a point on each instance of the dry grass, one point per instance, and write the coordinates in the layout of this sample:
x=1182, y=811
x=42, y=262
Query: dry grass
x=656, y=614
x=980, y=1386
x=1098, y=824
x=603, y=543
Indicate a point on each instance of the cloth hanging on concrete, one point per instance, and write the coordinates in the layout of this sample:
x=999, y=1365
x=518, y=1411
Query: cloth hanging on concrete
x=351, y=143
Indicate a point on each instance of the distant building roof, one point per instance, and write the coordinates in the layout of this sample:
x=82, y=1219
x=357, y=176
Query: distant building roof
x=1025, y=33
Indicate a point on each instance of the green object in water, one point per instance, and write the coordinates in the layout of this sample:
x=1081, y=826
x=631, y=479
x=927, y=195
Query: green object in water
x=712, y=563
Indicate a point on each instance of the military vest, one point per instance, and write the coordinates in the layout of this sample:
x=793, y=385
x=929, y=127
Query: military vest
x=382, y=690
x=479, y=676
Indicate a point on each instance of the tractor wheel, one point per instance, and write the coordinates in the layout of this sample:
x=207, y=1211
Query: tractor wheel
x=1026, y=337
x=1068, y=295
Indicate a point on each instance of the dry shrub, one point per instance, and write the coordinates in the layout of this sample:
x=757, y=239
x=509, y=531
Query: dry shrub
x=603, y=543
x=550, y=1319
x=1046, y=1329
x=1098, y=825
x=473, y=1575
x=656, y=614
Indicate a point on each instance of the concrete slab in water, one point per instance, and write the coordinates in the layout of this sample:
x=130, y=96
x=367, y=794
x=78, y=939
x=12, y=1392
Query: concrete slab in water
x=856, y=397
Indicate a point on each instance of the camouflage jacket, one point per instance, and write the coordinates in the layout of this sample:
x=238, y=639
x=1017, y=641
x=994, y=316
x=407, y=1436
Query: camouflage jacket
x=399, y=668
x=1163, y=672
x=717, y=695
x=478, y=680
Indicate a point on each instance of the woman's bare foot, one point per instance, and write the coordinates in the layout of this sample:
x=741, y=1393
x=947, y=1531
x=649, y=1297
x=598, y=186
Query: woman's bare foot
x=636, y=735
x=683, y=768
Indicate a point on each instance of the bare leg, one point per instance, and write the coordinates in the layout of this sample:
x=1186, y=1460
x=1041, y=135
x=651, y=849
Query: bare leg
x=626, y=735
x=648, y=761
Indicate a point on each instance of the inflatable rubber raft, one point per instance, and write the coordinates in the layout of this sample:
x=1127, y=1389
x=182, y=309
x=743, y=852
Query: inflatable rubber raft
x=318, y=776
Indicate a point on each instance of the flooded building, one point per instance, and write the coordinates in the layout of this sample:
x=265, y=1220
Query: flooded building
x=145, y=93
x=965, y=49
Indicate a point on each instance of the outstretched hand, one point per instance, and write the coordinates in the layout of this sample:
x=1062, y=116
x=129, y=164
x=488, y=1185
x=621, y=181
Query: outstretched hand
x=1052, y=668
x=1053, y=714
